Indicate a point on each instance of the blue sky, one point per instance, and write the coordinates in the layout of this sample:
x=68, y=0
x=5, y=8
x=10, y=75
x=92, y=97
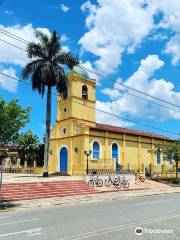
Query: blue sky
x=132, y=42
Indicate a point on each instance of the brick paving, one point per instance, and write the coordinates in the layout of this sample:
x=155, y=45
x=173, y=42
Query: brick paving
x=97, y=194
x=37, y=190
x=87, y=198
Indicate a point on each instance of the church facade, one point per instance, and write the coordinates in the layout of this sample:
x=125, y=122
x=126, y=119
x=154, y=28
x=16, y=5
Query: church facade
x=76, y=135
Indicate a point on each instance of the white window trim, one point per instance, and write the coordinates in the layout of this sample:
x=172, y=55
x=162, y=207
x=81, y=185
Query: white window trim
x=161, y=159
x=118, y=150
x=100, y=150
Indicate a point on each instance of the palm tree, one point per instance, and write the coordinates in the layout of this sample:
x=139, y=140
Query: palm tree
x=46, y=71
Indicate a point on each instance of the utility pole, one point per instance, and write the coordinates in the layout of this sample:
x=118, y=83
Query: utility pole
x=87, y=153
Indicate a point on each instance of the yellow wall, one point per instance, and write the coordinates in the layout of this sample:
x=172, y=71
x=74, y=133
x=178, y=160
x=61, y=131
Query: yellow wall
x=135, y=152
x=75, y=105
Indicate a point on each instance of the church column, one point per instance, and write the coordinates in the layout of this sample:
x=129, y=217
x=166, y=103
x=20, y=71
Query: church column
x=123, y=151
x=139, y=167
x=152, y=156
x=106, y=151
x=71, y=156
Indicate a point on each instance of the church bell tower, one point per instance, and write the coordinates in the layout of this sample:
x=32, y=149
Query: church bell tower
x=80, y=101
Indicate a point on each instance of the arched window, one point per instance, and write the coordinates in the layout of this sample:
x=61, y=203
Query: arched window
x=158, y=155
x=84, y=92
x=96, y=150
x=115, y=151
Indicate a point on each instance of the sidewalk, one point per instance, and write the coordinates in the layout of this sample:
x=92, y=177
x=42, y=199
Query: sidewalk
x=104, y=194
x=21, y=178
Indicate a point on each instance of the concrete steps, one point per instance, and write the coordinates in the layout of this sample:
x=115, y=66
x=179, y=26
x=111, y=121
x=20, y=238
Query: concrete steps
x=37, y=190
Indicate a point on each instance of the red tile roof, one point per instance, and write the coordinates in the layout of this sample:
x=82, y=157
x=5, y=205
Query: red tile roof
x=109, y=128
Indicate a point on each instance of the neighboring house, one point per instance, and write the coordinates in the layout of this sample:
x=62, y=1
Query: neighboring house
x=76, y=131
x=11, y=157
x=12, y=164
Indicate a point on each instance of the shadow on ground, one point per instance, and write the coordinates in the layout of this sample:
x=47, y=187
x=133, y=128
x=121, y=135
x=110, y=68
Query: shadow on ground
x=7, y=206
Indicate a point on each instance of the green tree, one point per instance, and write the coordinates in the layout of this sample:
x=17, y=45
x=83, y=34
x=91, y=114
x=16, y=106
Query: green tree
x=12, y=119
x=170, y=152
x=40, y=155
x=46, y=71
x=27, y=147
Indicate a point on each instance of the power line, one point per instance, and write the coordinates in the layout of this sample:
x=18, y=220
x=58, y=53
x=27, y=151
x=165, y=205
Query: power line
x=9, y=35
x=14, y=78
x=131, y=94
x=114, y=115
x=4, y=41
x=99, y=74
x=96, y=73
x=128, y=120
x=12, y=34
x=126, y=86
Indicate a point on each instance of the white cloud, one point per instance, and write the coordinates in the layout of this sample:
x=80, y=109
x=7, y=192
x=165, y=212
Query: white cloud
x=147, y=68
x=170, y=10
x=171, y=21
x=64, y=8
x=158, y=37
x=65, y=48
x=113, y=94
x=173, y=49
x=12, y=55
x=88, y=6
x=89, y=66
x=64, y=38
x=107, y=118
x=143, y=80
x=114, y=26
x=117, y=27
x=8, y=83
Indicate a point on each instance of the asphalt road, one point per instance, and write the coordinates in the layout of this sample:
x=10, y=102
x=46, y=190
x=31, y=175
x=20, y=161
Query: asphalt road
x=115, y=220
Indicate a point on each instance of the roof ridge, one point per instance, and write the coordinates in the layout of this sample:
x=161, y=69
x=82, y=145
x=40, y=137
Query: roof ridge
x=105, y=127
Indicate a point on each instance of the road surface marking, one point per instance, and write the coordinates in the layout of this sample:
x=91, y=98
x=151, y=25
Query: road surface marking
x=120, y=227
x=4, y=217
x=33, y=234
x=22, y=221
x=154, y=202
x=28, y=231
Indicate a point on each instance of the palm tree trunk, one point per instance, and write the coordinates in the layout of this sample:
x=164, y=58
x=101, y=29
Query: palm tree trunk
x=48, y=126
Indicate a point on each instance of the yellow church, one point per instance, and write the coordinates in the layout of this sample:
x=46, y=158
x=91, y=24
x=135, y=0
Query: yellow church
x=79, y=144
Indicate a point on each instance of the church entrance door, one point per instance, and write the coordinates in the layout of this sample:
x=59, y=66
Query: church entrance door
x=63, y=159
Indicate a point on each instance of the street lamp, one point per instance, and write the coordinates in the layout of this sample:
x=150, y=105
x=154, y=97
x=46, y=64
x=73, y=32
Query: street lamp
x=87, y=153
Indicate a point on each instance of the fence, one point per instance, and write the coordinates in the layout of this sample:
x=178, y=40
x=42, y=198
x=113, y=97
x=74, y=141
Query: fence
x=133, y=168
x=9, y=166
x=161, y=171
x=120, y=169
x=106, y=164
